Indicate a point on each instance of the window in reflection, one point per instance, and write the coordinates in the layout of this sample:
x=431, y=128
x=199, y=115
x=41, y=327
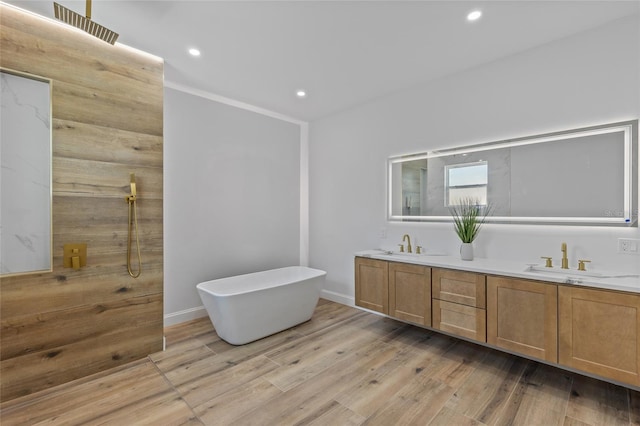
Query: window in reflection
x=466, y=181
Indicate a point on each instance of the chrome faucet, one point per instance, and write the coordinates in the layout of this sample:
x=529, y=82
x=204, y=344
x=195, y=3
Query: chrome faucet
x=565, y=260
x=408, y=238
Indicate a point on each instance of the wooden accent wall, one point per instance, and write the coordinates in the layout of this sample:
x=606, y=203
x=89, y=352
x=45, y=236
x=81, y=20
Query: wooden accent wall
x=107, y=122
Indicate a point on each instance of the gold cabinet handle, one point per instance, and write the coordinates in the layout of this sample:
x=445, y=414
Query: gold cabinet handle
x=549, y=262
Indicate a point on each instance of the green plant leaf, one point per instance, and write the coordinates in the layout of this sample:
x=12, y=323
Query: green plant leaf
x=468, y=217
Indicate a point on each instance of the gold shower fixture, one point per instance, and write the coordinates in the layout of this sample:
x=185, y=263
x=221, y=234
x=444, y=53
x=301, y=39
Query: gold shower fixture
x=133, y=220
x=84, y=22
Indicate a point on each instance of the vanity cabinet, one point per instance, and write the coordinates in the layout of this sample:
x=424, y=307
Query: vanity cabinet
x=372, y=284
x=599, y=332
x=593, y=330
x=522, y=316
x=410, y=293
x=459, y=302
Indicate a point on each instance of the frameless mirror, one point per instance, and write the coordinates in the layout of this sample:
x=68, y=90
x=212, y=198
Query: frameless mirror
x=582, y=176
x=25, y=173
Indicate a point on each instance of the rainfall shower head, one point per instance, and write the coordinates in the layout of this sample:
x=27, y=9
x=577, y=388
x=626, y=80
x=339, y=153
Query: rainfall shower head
x=84, y=23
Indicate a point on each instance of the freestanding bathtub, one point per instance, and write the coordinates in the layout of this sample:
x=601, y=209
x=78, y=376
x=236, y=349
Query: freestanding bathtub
x=249, y=307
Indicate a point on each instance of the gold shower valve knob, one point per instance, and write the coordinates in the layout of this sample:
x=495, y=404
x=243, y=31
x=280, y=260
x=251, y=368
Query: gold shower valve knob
x=75, y=255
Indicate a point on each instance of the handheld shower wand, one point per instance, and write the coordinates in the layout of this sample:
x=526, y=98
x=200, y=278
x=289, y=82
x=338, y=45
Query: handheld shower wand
x=131, y=201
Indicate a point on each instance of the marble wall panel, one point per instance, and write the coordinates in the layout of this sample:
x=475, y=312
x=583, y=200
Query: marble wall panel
x=25, y=175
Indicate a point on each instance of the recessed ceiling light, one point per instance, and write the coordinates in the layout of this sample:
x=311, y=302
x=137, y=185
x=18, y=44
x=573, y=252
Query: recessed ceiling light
x=474, y=16
x=301, y=93
x=194, y=52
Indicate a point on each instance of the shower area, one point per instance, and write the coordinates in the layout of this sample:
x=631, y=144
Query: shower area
x=63, y=323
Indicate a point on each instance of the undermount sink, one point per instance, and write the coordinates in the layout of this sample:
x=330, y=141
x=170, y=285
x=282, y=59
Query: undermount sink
x=574, y=272
x=413, y=255
x=560, y=271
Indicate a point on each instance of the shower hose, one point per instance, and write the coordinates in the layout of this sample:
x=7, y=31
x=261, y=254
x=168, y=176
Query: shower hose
x=133, y=221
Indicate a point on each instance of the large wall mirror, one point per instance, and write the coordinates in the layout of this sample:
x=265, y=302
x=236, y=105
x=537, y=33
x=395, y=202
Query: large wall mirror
x=25, y=175
x=581, y=176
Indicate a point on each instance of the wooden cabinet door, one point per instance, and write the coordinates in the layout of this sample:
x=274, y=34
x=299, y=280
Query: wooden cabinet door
x=372, y=284
x=410, y=293
x=466, y=288
x=522, y=316
x=598, y=332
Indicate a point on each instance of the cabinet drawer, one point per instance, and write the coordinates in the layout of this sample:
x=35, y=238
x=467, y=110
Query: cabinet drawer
x=461, y=320
x=467, y=288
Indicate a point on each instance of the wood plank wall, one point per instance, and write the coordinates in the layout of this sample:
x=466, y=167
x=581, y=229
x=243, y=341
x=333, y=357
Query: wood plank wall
x=107, y=122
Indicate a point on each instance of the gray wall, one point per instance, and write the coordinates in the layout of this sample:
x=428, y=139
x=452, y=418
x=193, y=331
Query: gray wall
x=232, y=196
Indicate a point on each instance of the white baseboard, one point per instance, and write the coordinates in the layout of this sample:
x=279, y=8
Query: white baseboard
x=184, y=316
x=199, y=311
x=338, y=297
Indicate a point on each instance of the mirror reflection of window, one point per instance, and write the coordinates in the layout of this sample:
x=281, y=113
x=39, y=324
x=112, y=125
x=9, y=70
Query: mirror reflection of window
x=466, y=181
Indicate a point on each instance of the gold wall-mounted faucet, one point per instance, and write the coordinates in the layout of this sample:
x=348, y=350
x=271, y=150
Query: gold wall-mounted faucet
x=565, y=259
x=408, y=238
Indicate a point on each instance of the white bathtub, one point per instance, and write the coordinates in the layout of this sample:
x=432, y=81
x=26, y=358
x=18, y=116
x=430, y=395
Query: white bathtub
x=249, y=307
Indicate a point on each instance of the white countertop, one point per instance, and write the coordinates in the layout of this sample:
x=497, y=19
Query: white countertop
x=591, y=278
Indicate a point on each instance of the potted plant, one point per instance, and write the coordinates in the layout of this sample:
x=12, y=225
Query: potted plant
x=468, y=217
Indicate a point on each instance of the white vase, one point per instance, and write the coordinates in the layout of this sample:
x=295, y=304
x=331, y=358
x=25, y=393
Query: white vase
x=466, y=251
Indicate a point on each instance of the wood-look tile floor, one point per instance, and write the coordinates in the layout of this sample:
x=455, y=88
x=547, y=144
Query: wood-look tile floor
x=344, y=367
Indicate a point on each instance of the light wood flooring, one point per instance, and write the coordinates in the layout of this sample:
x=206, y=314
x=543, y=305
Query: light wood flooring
x=344, y=367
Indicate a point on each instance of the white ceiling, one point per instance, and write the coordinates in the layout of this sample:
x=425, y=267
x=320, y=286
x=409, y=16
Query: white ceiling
x=343, y=53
